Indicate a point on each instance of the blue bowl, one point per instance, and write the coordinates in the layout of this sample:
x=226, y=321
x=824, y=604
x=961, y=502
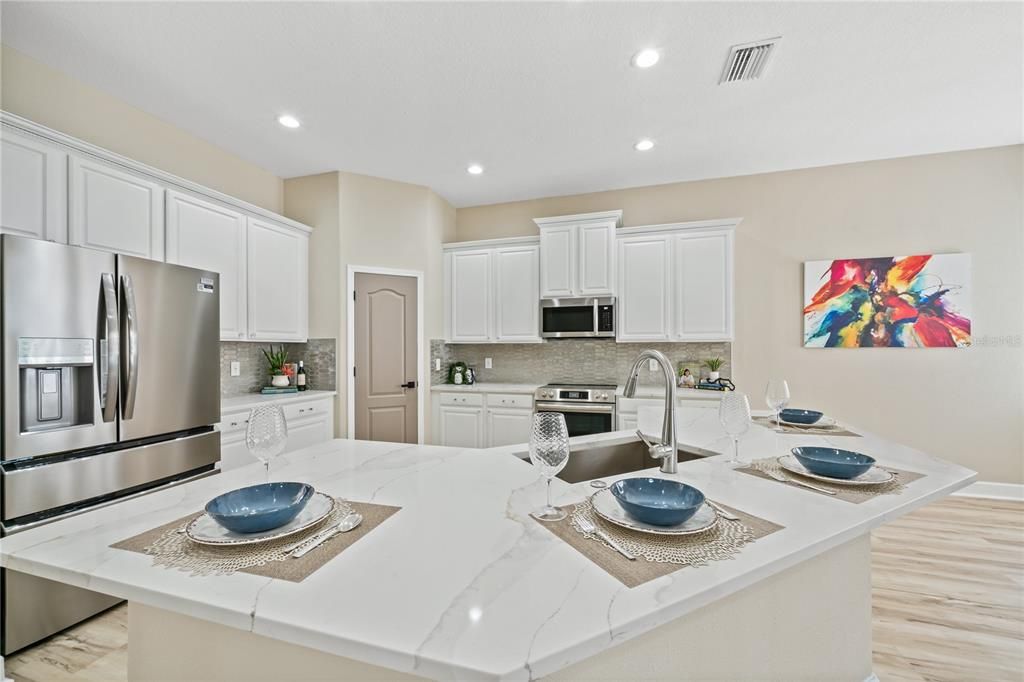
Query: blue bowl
x=833, y=462
x=800, y=416
x=657, y=501
x=259, y=507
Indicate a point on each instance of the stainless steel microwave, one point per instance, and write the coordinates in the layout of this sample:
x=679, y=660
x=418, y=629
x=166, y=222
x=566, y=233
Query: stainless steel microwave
x=567, y=318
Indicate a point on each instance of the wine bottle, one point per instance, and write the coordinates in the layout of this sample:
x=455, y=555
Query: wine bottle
x=300, y=377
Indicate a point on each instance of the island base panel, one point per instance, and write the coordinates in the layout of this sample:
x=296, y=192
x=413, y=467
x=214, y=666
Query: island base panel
x=810, y=622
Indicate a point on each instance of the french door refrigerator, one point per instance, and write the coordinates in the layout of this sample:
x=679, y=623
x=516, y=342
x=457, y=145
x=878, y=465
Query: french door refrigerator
x=110, y=388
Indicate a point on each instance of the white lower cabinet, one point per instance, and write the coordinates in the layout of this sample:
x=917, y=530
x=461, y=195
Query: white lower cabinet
x=479, y=420
x=309, y=422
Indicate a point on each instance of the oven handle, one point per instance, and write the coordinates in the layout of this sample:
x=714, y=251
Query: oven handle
x=573, y=407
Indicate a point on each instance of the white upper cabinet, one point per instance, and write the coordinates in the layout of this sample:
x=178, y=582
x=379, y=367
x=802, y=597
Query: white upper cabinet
x=203, y=234
x=115, y=210
x=469, y=295
x=33, y=187
x=703, y=286
x=577, y=254
x=645, y=288
x=517, y=294
x=278, y=272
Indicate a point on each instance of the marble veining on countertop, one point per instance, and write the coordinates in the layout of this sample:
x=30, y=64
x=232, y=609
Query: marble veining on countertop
x=251, y=400
x=462, y=583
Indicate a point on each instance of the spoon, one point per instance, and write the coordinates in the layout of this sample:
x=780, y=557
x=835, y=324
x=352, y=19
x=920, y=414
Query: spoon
x=350, y=522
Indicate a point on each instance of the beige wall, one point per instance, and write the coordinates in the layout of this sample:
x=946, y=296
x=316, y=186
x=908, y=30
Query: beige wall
x=964, y=405
x=35, y=91
x=362, y=220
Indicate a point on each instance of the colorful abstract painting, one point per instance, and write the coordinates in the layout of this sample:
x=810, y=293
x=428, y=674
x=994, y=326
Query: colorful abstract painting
x=893, y=302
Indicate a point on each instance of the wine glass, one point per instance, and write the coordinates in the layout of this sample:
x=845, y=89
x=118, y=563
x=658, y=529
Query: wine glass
x=549, y=452
x=734, y=413
x=266, y=434
x=776, y=394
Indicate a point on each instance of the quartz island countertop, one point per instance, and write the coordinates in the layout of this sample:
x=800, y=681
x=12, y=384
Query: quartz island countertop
x=462, y=583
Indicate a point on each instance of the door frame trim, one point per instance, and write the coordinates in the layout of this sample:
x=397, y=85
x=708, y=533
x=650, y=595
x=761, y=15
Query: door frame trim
x=350, y=350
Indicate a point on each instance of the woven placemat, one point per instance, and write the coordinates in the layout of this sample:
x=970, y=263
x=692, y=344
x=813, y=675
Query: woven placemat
x=835, y=430
x=848, y=493
x=723, y=541
x=172, y=549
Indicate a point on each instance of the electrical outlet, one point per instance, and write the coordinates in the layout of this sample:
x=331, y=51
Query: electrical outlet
x=236, y=369
x=488, y=363
x=652, y=365
x=437, y=364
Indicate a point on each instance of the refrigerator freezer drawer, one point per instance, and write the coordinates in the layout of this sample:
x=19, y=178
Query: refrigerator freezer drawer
x=56, y=485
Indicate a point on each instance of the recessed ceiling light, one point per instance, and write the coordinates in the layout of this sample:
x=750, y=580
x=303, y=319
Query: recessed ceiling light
x=475, y=169
x=288, y=121
x=644, y=145
x=645, y=59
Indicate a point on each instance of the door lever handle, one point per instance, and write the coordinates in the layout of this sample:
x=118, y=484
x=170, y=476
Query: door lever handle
x=409, y=384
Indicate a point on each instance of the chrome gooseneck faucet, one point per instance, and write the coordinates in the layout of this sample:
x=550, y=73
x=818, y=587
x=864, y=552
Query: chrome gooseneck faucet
x=666, y=449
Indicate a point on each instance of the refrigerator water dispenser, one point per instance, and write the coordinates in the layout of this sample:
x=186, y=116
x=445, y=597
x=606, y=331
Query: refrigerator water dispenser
x=57, y=386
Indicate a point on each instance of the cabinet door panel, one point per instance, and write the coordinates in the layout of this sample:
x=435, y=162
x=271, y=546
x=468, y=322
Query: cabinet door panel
x=596, y=260
x=558, y=261
x=306, y=433
x=462, y=427
x=205, y=235
x=517, y=294
x=233, y=452
x=33, y=188
x=113, y=210
x=470, y=295
x=644, y=308
x=277, y=273
x=508, y=427
x=703, y=287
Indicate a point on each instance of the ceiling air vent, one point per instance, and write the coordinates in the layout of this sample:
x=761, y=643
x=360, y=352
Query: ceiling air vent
x=748, y=61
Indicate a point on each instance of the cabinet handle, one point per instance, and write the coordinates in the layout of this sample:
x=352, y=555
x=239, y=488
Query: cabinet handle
x=241, y=335
x=252, y=335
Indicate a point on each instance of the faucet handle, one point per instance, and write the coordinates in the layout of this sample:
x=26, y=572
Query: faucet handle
x=647, y=441
x=655, y=449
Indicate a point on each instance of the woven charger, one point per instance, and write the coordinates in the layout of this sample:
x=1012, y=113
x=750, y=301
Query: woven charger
x=657, y=555
x=855, y=494
x=171, y=548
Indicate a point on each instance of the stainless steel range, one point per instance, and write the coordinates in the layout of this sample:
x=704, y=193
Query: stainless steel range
x=588, y=408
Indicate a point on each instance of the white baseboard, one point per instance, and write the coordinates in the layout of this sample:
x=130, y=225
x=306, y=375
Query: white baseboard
x=995, y=491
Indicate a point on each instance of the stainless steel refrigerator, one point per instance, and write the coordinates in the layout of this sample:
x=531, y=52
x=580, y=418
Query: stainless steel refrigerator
x=110, y=389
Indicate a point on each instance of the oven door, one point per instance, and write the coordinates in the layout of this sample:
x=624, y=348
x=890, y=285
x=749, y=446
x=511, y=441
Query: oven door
x=582, y=419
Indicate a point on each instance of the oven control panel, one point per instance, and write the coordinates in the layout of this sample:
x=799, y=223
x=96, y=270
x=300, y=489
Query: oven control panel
x=577, y=394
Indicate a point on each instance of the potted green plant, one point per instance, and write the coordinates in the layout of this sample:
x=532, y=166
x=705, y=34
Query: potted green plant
x=713, y=365
x=276, y=360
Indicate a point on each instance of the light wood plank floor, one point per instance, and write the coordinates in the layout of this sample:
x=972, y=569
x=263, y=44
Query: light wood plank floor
x=948, y=585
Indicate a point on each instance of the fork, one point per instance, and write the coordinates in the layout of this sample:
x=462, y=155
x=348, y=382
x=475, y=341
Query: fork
x=786, y=479
x=588, y=528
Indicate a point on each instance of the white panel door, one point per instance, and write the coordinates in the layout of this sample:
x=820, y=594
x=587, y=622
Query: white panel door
x=33, y=188
x=517, y=294
x=596, y=269
x=470, y=295
x=508, y=426
x=558, y=261
x=114, y=210
x=462, y=427
x=278, y=282
x=202, y=234
x=645, y=286
x=703, y=286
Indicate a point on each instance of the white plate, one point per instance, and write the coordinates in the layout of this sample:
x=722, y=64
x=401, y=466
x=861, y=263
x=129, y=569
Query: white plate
x=823, y=423
x=608, y=508
x=206, y=531
x=873, y=476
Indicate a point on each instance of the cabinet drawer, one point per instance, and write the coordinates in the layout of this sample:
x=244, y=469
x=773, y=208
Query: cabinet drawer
x=461, y=399
x=509, y=400
x=230, y=423
x=305, y=410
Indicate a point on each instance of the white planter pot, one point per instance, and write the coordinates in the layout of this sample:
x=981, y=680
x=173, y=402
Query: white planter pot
x=279, y=381
x=712, y=376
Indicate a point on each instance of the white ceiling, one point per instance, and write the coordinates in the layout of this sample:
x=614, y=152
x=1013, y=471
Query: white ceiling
x=543, y=94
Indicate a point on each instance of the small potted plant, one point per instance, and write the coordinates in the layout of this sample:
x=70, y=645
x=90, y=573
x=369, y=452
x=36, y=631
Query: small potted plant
x=276, y=361
x=713, y=365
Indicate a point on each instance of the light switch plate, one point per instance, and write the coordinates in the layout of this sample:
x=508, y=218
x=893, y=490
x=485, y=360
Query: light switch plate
x=236, y=369
x=652, y=365
x=437, y=364
x=488, y=363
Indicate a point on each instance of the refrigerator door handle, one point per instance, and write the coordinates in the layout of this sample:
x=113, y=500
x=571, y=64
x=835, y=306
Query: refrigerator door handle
x=131, y=341
x=110, y=349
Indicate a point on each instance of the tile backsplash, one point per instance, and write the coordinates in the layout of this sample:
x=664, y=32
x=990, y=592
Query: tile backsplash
x=320, y=358
x=571, y=360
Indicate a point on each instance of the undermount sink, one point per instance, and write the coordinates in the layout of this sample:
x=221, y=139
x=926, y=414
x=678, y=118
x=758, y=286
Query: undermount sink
x=620, y=456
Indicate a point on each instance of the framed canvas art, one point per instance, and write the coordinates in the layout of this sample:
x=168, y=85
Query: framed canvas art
x=891, y=302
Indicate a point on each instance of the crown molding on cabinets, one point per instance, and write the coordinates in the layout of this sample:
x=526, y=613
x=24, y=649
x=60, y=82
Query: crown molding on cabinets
x=26, y=126
x=491, y=243
x=598, y=217
x=702, y=225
